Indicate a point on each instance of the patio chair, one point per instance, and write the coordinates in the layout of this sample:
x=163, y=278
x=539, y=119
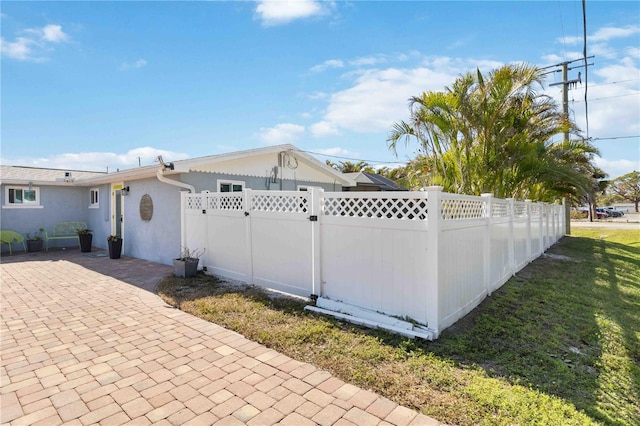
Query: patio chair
x=12, y=237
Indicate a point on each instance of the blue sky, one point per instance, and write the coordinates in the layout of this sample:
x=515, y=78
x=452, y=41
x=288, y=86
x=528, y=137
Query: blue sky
x=91, y=85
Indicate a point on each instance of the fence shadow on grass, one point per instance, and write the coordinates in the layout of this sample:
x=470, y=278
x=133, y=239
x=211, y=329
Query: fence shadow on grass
x=547, y=328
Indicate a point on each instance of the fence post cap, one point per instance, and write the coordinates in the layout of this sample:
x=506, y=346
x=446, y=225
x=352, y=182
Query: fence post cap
x=435, y=188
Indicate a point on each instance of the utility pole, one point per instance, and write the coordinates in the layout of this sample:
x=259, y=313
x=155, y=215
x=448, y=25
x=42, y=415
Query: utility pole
x=566, y=84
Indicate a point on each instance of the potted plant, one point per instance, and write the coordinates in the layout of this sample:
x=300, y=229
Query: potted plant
x=86, y=237
x=35, y=242
x=115, y=246
x=186, y=265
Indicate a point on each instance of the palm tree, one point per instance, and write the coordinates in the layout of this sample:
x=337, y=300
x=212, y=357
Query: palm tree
x=494, y=134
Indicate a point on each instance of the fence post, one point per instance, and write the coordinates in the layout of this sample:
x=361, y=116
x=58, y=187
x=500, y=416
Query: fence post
x=315, y=209
x=434, y=223
x=512, y=250
x=486, y=245
x=247, y=227
x=566, y=229
x=541, y=229
x=546, y=226
x=527, y=204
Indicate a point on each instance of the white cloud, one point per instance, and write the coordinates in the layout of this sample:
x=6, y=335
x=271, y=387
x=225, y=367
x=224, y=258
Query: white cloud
x=324, y=129
x=608, y=33
x=604, y=34
x=281, y=133
x=19, y=49
x=369, y=60
x=617, y=168
x=318, y=95
x=99, y=161
x=378, y=98
x=335, y=151
x=32, y=46
x=279, y=12
x=331, y=63
x=54, y=34
x=137, y=64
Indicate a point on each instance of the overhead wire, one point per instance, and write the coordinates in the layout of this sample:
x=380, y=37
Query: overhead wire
x=354, y=159
x=610, y=97
x=616, y=137
x=564, y=41
x=586, y=65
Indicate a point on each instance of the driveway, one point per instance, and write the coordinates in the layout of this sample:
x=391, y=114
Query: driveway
x=86, y=341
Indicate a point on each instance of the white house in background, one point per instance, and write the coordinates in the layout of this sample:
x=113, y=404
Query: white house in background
x=143, y=204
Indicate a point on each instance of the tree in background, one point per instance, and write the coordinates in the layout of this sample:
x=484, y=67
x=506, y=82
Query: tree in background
x=349, y=167
x=493, y=134
x=627, y=188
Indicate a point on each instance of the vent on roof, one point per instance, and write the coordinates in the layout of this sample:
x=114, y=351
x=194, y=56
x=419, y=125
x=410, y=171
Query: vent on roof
x=67, y=178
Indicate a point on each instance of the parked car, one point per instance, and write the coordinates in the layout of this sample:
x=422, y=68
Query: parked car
x=614, y=212
x=600, y=212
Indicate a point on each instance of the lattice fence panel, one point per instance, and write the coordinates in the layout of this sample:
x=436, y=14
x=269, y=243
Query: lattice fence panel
x=462, y=209
x=193, y=202
x=385, y=208
x=536, y=209
x=281, y=203
x=520, y=209
x=500, y=209
x=226, y=202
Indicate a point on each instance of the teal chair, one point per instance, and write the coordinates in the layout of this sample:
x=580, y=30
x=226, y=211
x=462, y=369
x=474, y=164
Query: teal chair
x=12, y=237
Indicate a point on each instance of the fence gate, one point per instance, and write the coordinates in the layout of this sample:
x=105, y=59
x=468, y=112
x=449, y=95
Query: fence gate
x=259, y=237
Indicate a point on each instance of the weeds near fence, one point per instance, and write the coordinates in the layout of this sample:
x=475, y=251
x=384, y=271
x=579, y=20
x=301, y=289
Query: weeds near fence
x=558, y=344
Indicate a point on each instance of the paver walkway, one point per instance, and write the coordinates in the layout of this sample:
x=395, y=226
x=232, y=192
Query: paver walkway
x=80, y=346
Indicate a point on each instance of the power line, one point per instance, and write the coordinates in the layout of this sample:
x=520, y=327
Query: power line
x=354, y=159
x=615, y=137
x=564, y=42
x=615, y=82
x=586, y=65
x=610, y=97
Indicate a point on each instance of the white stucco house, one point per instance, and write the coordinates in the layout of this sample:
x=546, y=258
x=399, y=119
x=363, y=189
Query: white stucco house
x=142, y=205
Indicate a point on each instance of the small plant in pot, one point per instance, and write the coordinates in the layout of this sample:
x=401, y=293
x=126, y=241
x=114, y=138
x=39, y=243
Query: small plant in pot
x=115, y=246
x=186, y=265
x=34, y=243
x=85, y=237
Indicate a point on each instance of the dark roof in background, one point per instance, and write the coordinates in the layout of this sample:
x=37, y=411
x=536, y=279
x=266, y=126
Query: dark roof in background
x=384, y=183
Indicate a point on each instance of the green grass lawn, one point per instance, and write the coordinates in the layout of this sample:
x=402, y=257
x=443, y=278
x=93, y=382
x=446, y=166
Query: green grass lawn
x=558, y=344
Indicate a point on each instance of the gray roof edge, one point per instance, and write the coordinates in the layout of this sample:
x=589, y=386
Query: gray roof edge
x=182, y=166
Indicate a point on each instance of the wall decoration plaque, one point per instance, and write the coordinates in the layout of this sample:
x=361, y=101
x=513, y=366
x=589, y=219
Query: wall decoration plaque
x=146, y=208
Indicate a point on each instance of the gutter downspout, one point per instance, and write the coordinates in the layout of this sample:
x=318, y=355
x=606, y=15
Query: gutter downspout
x=191, y=189
x=163, y=179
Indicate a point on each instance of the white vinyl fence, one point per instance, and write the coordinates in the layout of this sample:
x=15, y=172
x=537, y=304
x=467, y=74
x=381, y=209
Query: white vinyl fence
x=411, y=262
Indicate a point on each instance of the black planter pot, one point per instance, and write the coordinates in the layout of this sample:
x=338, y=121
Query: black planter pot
x=115, y=248
x=34, y=245
x=85, y=242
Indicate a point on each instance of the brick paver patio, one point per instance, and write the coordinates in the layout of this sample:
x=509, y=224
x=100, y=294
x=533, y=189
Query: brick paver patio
x=85, y=342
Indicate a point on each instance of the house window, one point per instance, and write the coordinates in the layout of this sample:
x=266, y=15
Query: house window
x=94, y=199
x=230, y=186
x=22, y=197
